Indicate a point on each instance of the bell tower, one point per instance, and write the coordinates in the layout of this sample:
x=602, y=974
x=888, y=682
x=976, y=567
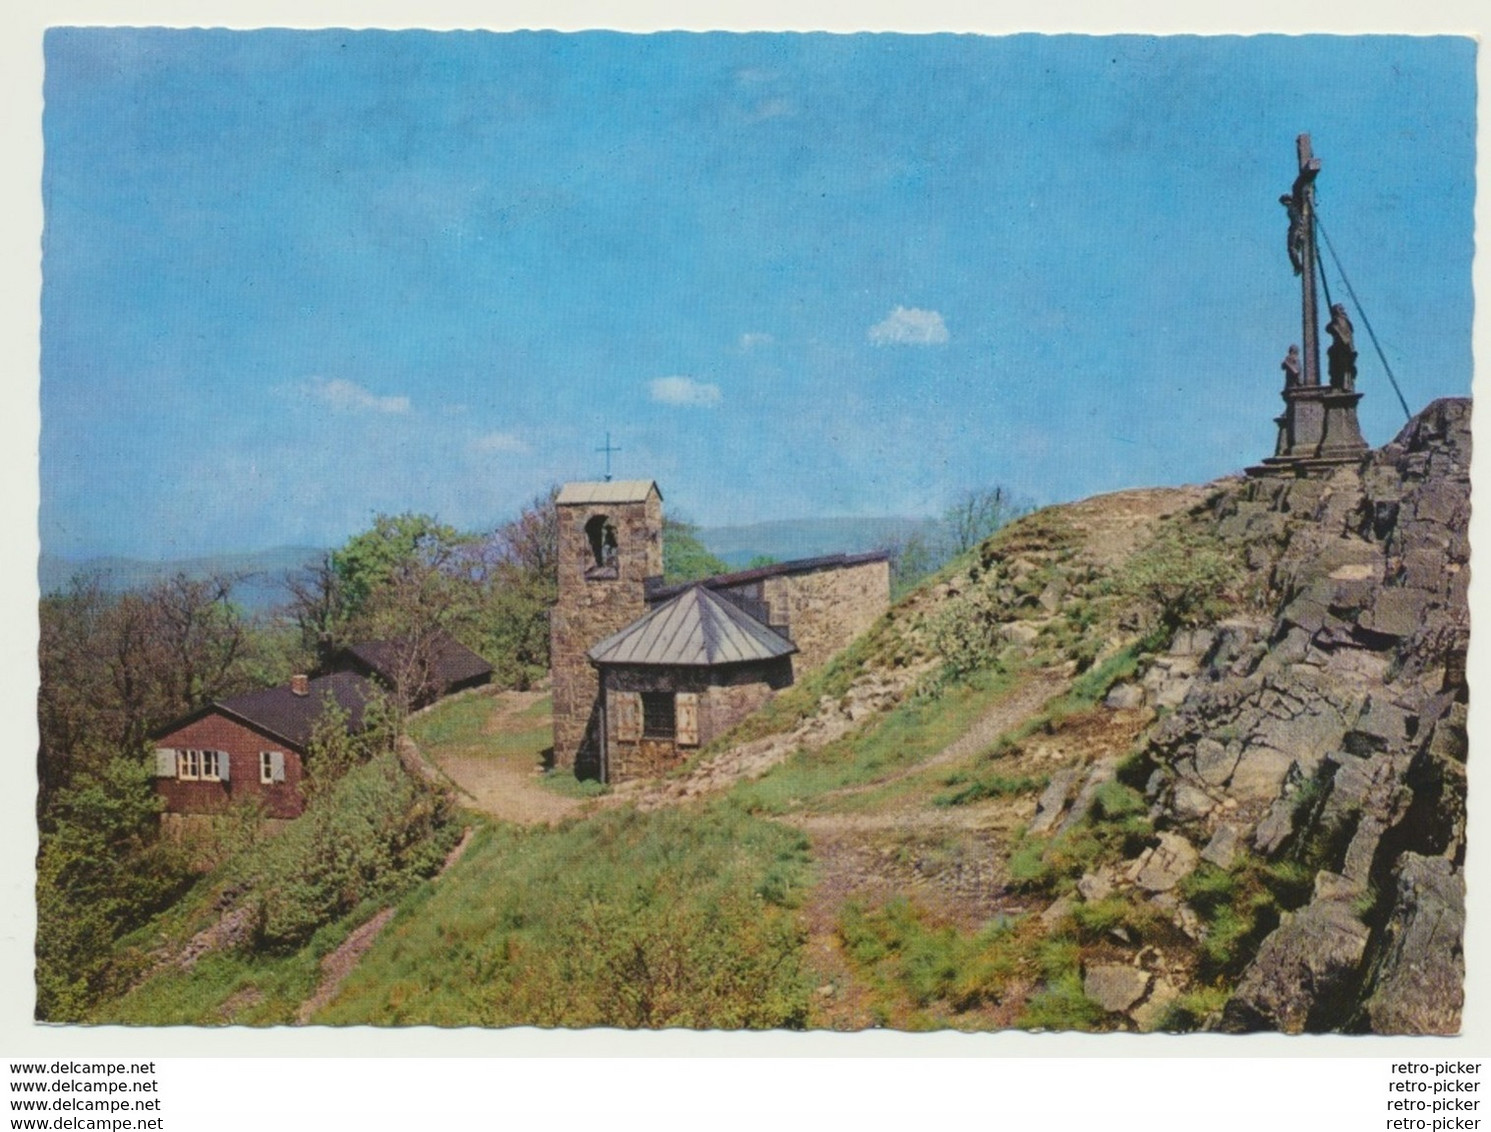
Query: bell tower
x=610, y=544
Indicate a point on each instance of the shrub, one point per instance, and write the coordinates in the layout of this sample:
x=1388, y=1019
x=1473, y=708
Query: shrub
x=375, y=831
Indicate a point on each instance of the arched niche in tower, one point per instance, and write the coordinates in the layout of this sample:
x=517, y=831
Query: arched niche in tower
x=604, y=561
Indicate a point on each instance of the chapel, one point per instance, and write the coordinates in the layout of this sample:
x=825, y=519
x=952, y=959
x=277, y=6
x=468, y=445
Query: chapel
x=646, y=673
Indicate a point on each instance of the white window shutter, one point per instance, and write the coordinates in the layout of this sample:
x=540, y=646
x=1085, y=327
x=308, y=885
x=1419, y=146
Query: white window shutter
x=224, y=761
x=626, y=716
x=277, y=766
x=165, y=763
x=686, y=718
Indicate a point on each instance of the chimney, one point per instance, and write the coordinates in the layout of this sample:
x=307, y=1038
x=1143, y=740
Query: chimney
x=300, y=684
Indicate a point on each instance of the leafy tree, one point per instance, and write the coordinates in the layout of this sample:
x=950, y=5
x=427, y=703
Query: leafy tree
x=115, y=666
x=395, y=545
x=685, y=558
x=102, y=871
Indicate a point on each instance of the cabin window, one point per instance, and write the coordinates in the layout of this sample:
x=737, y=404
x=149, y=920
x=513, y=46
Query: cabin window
x=659, y=720
x=205, y=766
x=601, y=534
x=271, y=767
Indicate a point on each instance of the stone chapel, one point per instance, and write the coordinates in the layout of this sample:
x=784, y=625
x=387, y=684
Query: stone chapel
x=646, y=673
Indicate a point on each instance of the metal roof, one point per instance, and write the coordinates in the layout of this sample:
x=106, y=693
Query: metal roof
x=695, y=629
x=616, y=491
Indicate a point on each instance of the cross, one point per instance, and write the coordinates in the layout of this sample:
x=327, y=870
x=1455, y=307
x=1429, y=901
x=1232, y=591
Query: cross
x=1302, y=212
x=608, y=450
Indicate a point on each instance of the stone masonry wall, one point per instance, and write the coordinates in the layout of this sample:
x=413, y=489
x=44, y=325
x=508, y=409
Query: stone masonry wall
x=726, y=696
x=591, y=608
x=824, y=610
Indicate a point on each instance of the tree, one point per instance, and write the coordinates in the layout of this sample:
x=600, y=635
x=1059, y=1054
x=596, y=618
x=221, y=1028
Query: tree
x=393, y=544
x=685, y=558
x=975, y=516
x=319, y=609
x=115, y=666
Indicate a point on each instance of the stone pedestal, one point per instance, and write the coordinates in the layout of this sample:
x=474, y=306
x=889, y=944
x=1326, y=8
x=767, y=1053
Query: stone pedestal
x=1317, y=430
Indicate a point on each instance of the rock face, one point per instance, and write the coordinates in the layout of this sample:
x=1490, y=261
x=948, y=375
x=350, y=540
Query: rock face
x=1333, y=737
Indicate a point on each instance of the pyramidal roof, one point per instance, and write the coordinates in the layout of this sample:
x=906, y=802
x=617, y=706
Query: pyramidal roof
x=696, y=628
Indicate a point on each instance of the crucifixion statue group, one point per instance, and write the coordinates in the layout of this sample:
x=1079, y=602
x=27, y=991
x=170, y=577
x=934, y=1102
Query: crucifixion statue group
x=1318, y=427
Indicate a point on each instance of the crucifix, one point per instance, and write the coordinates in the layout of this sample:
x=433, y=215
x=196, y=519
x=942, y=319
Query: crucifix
x=1300, y=202
x=608, y=450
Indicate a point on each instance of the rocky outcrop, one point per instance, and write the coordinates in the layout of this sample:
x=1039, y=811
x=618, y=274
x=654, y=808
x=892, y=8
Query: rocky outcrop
x=1333, y=736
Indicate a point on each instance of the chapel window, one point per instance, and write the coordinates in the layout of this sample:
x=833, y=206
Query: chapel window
x=659, y=720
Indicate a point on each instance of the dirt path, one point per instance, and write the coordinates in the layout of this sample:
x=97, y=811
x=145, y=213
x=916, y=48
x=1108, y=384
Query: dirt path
x=950, y=860
x=1007, y=713
x=339, y=964
x=506, y=784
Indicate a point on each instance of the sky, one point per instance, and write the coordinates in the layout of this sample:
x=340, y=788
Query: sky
x=293, y=279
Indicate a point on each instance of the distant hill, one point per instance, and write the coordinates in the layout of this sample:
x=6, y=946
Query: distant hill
x=785, y=539
x=263, y=572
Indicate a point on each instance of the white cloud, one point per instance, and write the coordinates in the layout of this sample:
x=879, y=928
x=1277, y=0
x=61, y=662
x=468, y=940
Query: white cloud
x=500, y=442
x=684, y=391
x=348, y=396
x=754, y=340
x=909, y=326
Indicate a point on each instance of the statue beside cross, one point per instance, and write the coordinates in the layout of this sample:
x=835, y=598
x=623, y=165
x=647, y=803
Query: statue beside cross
x=1318, y=428
x=1340, y=357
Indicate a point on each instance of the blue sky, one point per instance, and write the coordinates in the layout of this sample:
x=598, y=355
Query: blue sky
x=292, y=279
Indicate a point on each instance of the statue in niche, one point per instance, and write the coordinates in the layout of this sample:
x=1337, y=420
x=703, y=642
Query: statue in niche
x=1341, y=355
x=1290, y=366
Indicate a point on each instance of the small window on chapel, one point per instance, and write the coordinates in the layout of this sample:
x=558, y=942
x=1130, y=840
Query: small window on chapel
x=600, y=532
x=659, y=721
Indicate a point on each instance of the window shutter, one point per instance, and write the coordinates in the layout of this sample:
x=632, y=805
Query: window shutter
x=165, y=763
x=224, y=761
x=686, y=717
x=277, y=766
x=626, y=716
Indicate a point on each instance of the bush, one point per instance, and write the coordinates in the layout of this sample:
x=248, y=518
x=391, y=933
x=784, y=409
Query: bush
x=101, y=872
x=373, y=833
x=1185, y=577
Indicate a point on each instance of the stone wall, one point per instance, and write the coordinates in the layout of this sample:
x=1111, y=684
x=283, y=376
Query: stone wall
x=726, y=696
x=823, y=610
x=592, y=604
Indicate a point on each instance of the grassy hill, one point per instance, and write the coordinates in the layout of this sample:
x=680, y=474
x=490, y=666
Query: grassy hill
x=1170, y=759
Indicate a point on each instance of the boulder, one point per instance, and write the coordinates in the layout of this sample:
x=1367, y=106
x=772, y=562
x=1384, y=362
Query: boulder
x=1304, y=973
x=1053, y=799
x=1115, y=986
x=1419, y=975
x=1221, y=850
x=1124, y=697
x=1162, y=867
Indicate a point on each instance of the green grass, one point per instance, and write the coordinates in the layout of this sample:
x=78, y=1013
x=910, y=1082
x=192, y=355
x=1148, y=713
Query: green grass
x=565, y=784
x=990, y=786
x=233, y=987
x=933, y=971
x=911, y=732
x=459, y=726
x=671, y=918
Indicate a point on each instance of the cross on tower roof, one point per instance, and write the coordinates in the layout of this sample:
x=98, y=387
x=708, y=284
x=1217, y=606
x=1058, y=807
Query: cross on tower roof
x=608, y=450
